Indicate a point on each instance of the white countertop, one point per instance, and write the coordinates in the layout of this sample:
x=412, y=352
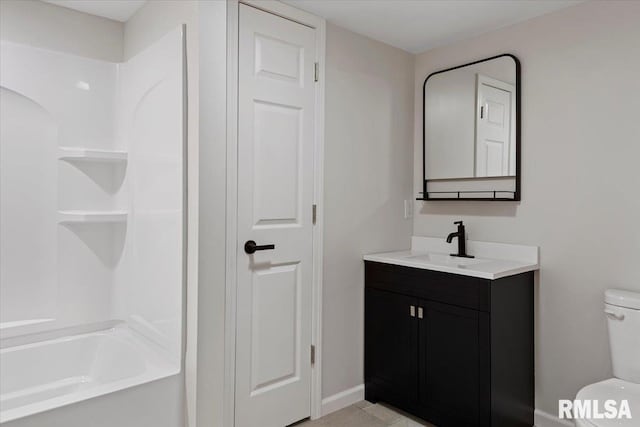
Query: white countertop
x=492, y=260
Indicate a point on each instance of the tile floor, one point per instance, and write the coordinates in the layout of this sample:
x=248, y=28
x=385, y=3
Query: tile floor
x=366, y=414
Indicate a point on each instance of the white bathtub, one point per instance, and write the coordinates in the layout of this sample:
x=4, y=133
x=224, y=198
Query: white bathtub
x=57, y=372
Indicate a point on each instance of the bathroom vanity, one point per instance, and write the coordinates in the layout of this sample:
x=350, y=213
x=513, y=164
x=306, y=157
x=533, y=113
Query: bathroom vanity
x=450, y=339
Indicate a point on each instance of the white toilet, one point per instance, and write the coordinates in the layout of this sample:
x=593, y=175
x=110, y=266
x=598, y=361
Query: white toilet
x=622, y=309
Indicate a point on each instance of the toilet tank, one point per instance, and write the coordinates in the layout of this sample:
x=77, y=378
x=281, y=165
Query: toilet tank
x=623, y=318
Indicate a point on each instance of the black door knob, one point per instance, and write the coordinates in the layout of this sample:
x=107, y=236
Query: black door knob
x=250, y=247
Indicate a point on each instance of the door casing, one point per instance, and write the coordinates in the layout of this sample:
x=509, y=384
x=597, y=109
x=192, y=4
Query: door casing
x=319, y=25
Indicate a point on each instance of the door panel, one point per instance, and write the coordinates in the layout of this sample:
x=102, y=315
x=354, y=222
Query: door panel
x=276, y=333
x=278, y=59
x=494, y=128
x=390, y=346
x=277, y=167
x=276, y=100
x=449, y=364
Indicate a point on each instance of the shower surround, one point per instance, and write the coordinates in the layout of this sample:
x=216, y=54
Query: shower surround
x=92, y=221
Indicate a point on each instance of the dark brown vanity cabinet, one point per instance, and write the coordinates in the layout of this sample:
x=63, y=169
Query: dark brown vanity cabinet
x=454, y=350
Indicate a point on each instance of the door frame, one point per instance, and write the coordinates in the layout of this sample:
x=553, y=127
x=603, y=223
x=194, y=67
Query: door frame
x=319, y=25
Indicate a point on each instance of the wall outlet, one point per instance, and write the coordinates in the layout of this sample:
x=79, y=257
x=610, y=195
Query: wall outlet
x=408, y=209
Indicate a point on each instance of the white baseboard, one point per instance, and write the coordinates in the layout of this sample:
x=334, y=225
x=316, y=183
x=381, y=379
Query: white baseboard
x=542, y=419
x=342, y=400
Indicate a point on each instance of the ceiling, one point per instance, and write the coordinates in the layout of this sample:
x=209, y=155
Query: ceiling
x=420, y=25
x=412, y=25
x=118, y=10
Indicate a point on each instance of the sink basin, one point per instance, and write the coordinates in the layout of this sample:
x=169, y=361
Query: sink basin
x=444, y=259
x=494, y=260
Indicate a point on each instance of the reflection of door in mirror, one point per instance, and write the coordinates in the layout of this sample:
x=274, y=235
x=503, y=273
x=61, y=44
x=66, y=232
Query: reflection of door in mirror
x=495, y=130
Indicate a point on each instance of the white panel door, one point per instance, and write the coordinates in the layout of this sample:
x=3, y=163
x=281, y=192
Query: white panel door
x=276, y=99
x=494, y=124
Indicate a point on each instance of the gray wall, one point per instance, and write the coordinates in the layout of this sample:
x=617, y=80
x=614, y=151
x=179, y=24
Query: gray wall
x=580, y=151
x=211, y=212
x=368, y=155
x=53, y=27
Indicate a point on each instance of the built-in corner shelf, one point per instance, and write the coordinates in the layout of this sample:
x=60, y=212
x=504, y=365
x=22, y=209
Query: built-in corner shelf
x=91, y=155
x=91, y=217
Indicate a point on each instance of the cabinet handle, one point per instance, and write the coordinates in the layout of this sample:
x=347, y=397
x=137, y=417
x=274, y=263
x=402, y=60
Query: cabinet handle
x=412, y=311
x=420, y=313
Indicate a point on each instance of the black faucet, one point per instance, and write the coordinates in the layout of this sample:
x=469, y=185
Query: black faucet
x=462, y=246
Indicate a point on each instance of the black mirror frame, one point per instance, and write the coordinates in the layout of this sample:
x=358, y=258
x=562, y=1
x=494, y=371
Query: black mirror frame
x=517, y=196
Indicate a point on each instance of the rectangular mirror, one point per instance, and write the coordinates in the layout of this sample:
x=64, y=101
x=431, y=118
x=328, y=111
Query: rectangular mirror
x=472, y=131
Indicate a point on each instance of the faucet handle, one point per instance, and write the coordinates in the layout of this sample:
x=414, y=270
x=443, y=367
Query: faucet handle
x=457, y=222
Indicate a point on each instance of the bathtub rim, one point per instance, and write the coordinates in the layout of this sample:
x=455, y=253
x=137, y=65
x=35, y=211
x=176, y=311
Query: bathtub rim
x=161, y=366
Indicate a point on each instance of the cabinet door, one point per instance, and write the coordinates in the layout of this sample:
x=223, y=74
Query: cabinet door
x=449, y=355
x=391, y=339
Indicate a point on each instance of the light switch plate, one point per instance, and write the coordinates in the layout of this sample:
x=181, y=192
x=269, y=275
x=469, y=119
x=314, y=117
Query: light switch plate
x=408, y=209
